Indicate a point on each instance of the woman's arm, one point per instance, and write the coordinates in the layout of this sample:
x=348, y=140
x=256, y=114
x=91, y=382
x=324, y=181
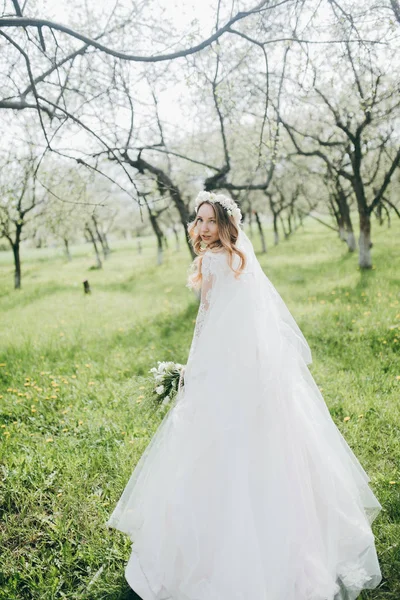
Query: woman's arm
x=207, y=282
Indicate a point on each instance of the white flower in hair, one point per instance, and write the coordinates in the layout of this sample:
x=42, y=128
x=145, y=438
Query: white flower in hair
x=203, y=197
x=227, y=203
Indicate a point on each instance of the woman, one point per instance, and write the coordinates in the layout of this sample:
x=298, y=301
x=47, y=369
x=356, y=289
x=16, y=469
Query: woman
x=247, y=491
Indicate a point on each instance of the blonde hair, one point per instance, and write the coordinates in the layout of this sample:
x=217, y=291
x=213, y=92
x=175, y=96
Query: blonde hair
x=228, y=233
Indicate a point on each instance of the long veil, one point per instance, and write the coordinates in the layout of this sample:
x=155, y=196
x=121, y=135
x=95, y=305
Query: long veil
x=288, y=325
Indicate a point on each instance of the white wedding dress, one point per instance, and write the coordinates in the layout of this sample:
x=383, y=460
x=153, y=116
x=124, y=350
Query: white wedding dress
x=247, y=490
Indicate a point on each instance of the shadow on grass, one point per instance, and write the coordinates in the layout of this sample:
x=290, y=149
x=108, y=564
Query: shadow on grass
x=20, y=298
x=298, y=273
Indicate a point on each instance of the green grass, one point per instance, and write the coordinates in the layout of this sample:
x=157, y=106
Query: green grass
x=74, y=378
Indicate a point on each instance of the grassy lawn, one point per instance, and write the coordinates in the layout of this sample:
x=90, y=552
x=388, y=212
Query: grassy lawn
x=74, y=380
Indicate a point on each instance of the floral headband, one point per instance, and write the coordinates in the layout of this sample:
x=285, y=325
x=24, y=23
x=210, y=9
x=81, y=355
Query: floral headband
x=230, y=206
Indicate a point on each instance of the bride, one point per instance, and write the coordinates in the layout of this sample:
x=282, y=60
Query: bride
x=247, y=491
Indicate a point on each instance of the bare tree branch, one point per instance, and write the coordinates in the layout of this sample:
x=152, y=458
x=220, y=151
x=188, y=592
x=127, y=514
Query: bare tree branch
x=31, y=22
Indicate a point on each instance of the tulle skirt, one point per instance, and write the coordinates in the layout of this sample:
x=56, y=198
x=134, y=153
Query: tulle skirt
x=247, y=490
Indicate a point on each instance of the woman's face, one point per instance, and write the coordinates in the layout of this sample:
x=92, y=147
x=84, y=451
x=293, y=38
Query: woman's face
x=206, y=224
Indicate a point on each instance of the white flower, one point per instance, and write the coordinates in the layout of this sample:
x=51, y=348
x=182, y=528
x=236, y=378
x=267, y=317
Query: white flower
x=202, y=197
x=159, y=389
x=165, y=401
x=230, y=205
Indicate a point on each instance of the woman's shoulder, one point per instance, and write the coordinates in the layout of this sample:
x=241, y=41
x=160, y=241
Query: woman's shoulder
x=214, y=260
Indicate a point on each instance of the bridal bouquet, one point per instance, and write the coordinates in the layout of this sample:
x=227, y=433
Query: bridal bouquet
x=168, y=377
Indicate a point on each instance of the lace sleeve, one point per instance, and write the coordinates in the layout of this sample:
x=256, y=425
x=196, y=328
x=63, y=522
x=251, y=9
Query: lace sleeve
x=208, y=280
x=206, y=291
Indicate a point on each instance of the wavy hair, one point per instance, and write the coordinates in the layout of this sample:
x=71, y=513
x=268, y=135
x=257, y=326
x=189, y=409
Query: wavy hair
x=228, y=233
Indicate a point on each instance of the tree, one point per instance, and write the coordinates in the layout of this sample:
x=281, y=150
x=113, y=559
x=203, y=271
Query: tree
x=20, y=201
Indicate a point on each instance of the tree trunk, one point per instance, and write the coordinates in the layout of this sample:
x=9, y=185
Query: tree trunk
x=275, y=214
x=289, y=222
x=364, y=242
x=276, y=231
x=379, y=214
x=159, y=253
x=106, y=244
x=177, y=242
x=285, y=233
x=261, y=231
x=158, y=233
x=348, y=225
x=100, y=237
x=351, y=241
x=17, y=265
x=66, y=247
x=250, y=214
x=334, y=201
x=300, y=217
x=92, y=238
